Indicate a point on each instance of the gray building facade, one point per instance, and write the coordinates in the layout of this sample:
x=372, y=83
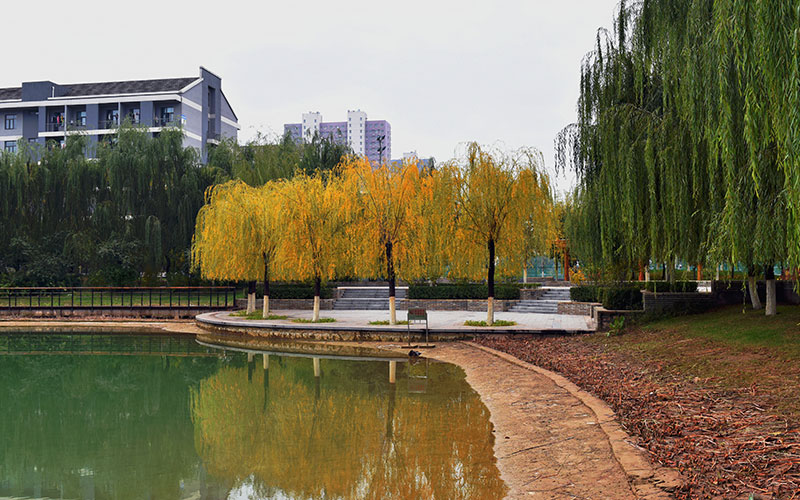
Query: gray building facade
x=39, y=112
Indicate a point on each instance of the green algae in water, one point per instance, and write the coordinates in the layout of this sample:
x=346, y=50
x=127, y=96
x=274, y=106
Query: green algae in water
x=118, y=417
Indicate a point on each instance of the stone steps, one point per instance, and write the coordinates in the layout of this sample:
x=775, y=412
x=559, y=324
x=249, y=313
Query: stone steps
x=367, y=298
x=372, y=293
x=536, y=306
x=546, y=303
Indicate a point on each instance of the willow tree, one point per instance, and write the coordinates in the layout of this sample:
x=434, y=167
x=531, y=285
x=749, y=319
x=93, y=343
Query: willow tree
x=384, y=197
x=269, y=216
x=430, y=238
x=683, y=142
x=233, y=239
x=317, y=214
x=496, y=195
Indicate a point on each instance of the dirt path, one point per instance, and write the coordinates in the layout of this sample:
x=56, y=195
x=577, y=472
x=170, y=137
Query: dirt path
x=551, y=440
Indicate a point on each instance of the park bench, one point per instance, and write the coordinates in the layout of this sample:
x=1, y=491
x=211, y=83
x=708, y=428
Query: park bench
x=417, y=315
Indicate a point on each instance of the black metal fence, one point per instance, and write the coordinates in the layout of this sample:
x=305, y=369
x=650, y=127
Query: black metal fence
x=108, y=298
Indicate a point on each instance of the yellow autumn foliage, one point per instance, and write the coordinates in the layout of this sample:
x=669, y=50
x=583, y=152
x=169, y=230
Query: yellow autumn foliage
x=438, y=224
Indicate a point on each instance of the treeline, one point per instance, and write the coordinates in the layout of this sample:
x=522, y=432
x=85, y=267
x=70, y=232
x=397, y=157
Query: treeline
x=687, y=140
x=484, y=214
x=127, y=216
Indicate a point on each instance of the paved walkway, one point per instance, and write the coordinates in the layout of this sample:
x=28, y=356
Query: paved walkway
x=552, y=439
x=438, y=321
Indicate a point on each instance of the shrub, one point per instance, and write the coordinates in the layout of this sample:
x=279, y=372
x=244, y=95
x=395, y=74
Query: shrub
x=585, y=293
x=497, y=322
x=297, y=291
x=666, y=286
x=621, y=298
x=463, y=291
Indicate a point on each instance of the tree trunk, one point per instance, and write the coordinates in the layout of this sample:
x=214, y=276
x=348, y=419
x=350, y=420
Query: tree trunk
x=699, y=272
x=265, y=309
x=251, y=297
x=525, y=273
x=641, y=272
x=490, y=283
x=716, y=274
x=664, y=272
x=772, y=302
x=752, y=286
x=317, y=290
x=390, y=275
x=647, y=274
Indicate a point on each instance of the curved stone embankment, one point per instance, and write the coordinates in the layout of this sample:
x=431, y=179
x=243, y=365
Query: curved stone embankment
x=354, y=326
x=553, y=439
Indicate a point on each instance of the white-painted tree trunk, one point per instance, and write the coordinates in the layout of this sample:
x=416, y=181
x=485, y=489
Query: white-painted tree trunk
x=525, y=274
x=646, y=274
x=251, y=303
x=752, y=286
x=392, y=311
x=490, y=311
x=315, y=318
x=772, y=302
x=265, y=308
x=716, y=275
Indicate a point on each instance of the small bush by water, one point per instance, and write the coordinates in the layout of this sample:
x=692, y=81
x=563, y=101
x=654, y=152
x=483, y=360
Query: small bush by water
x=321, y=320
x=498, y=322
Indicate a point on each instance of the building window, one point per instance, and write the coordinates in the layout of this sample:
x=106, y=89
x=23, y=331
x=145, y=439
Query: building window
x=112, y=117
x=80, y=118
x=11, y=122
x=135, y=116
x=11, y=147
x=167, y=115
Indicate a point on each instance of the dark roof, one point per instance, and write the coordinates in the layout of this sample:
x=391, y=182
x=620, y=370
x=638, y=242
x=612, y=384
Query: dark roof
x=12, y=93
x=129, y=87
x=111, y=88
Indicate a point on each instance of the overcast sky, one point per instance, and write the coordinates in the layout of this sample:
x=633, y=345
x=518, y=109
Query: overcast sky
x=441, y=72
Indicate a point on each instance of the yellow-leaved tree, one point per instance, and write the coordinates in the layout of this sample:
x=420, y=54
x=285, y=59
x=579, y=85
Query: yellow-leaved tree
x=431, y=237
x=237, y=235
x=384, y=199
x=500, y=198
x=314, y=244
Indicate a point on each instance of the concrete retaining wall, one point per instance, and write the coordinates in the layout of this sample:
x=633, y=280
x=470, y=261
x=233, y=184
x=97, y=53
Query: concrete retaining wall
x=604, y=317
x=576, y=308
x=677, y=302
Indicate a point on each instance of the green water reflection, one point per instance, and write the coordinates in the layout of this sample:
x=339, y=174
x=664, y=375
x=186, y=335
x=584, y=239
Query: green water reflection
x=99, y=417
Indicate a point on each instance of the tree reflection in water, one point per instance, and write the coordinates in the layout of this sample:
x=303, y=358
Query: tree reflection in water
x=206, y=426
x=348, y=433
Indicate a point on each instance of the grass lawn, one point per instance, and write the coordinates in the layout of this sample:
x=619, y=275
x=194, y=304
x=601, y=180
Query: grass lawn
x=321, y=320
x=386, y=322
x=498, y=322
x=727, y=348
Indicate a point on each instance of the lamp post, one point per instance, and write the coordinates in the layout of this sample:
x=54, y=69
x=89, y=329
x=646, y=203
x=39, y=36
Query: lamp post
x=381, y=148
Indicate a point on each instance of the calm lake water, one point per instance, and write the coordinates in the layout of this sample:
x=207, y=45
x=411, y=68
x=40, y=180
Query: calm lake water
x=158, y=417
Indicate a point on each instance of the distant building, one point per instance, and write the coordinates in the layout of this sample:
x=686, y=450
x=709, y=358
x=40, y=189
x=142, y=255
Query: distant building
x=364, y=137
x=38, y=112
x=422, y=163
